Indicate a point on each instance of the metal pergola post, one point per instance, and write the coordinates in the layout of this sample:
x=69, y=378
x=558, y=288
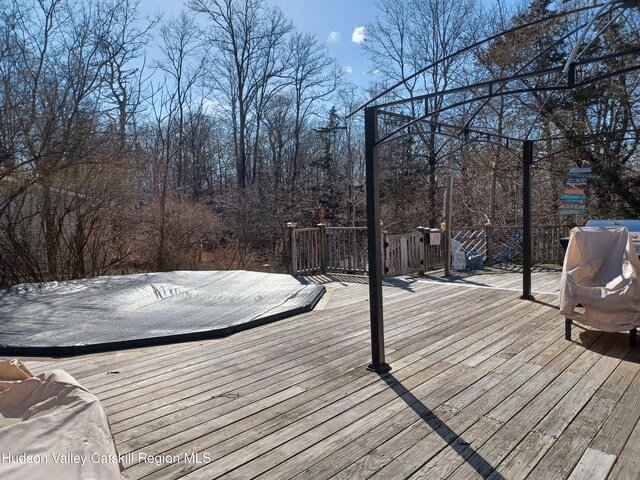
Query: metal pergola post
x=374, y=234
x=527, y=237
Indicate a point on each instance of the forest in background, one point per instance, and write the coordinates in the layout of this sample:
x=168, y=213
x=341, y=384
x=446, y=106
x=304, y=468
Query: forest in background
x=111, y=162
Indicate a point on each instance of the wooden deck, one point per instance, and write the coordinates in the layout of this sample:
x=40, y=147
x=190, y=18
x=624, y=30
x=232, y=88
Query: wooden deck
x=483, y=385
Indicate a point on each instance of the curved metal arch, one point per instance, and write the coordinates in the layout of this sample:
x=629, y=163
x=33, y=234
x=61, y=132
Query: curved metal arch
x=600, y=13
x=467, y=102
x=571, y=84
x=553, y=16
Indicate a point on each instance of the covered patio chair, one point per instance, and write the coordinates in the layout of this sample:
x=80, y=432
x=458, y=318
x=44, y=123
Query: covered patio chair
x=601, y=275
x=51, y=427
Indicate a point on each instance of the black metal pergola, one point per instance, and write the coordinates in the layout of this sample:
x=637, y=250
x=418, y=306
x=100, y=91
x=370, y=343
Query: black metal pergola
x=566, y=77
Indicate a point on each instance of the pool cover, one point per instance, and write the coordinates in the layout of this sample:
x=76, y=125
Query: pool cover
x=113, y=312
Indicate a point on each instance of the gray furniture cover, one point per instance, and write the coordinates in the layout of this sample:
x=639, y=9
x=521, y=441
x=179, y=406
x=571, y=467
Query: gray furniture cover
x=600, y=272
x=52, y=428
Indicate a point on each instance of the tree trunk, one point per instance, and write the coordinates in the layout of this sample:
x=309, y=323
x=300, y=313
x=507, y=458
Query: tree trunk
x=241, y=160
x=79, y=240
x=51, y=243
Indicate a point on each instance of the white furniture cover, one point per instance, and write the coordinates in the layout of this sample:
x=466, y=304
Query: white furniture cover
x=52, y=428
x=600, y=272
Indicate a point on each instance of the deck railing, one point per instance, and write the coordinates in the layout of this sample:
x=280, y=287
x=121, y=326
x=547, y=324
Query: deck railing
x=325, y=249
x=504, y=244
x=402, y=253
x=345, y=249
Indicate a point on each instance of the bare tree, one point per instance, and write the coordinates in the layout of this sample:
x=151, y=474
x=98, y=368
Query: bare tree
x=314, y=76
x=248, y=36
x=184, y=65
x=408, y=36
x=57, y=202
x=123, y=44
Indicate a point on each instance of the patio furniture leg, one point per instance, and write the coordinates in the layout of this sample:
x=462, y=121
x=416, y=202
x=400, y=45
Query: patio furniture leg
x=633, y=337
x=567, y=328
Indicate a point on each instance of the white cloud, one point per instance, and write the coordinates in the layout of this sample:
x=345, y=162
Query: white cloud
x=359, y=35
x=375, y=71
x=212, y=106
x=334, y=37
x=348, y=69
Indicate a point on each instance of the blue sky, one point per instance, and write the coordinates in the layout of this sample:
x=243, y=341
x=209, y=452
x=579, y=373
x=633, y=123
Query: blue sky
x=341, y=17
x=332, y=21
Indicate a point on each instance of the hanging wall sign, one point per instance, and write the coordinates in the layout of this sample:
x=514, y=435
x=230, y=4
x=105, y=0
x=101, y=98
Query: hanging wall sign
x=576, y=181
x=579, y=211
x=576, y=172
x=572, y=206
x=574, y=198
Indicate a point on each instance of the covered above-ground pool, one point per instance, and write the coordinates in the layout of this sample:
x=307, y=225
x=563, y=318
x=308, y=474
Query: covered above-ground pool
x=104, y=313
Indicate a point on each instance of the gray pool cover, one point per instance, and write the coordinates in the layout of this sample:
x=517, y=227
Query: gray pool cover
x=105, y=313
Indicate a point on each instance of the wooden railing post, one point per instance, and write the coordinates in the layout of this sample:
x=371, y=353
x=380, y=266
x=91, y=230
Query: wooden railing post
x=488, y=235
x=322, y=233
x=423, y=250
x=385, y=253
x=293, y=251
x=404, y=261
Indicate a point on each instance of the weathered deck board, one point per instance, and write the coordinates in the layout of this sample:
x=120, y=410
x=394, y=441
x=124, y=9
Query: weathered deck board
x=439, y=354
x=270, y=374
x=345, y=447
x=572, y=443
x=627, y=465
x=594, y=465
x=506, y=406
x=508, y=277
x=483, y=385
